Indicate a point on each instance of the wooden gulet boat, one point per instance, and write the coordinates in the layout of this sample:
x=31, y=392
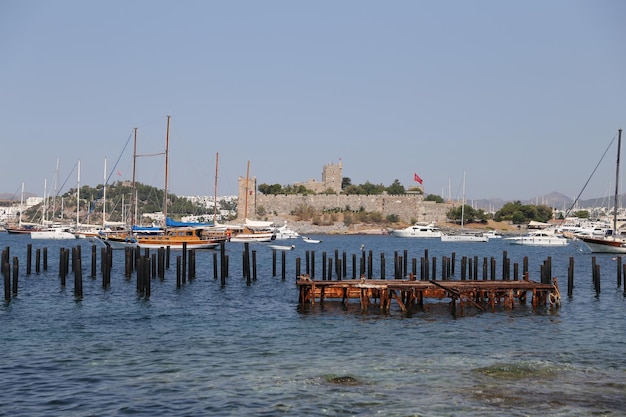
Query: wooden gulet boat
x=178, y=237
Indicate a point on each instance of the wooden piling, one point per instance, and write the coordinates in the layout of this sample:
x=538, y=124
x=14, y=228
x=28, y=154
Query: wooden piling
x=6, y=270
x=570, y=277
x=283, y=265
x=254, y=265
x=147, y=282
x=29, y=258
x=16, y=273
x=178, y=273
x=619, y=271
x=184, y=262
x=78, y=277
x=38, y=260
x=93, y=261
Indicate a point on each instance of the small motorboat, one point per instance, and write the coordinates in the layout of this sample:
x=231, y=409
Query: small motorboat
x=282, y=247
x=309, y=240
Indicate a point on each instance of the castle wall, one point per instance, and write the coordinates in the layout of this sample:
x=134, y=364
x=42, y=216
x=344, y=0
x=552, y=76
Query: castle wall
x=408, y=207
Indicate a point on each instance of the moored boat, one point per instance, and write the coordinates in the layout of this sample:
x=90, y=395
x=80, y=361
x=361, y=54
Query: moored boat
x=53, y=233
x=246, y=234
x=282, y=247
x=465, y=237
x=610, y=243
x=603, y=244
x=178, y=237
x=544, y=237
x=419, y=230
x=284, y=232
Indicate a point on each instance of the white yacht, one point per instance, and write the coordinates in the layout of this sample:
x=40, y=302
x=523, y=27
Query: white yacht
x=283, y=232
x=543, y=237
x=419, y=229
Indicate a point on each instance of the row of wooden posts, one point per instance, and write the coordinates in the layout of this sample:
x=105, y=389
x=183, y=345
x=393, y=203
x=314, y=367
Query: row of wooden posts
x=151, y=265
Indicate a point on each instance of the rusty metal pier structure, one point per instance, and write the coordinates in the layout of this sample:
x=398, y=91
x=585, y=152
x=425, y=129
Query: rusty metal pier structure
x=411, y=293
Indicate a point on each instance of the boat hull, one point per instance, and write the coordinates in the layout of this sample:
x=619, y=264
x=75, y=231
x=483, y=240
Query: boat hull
x=51, y=235
x=418, y=230
x=177, y=245
x=256, y=237
x=282, y=247
x=533, y=241
x=420, y=235
x=464, y=238
x=597, y=245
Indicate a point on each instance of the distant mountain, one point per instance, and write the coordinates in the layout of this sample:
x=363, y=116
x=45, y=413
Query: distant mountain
x=16, y=197
x=553, y=199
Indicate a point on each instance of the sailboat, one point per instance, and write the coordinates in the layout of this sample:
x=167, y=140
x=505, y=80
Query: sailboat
x=464, y=236
x=610, y=243
x=178, y=237
x=22, y=228
x=59, y=231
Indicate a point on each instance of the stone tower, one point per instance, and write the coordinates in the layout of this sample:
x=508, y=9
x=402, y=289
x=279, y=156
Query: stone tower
x=246, y=192
x=331, y=177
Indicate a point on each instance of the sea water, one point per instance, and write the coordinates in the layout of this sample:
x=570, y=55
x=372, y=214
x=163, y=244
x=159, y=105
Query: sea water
x=248, y=349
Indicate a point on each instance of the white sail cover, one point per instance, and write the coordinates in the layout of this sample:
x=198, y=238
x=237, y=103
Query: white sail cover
x=257, y=224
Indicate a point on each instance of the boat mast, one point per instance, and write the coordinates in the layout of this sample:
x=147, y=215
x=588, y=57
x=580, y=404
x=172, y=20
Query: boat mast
x=56, y=181
x=78, y=195
x=44, y=214
x=463, y=204
x=247, y=190
x=133, y=213
x=215, y=190
x=167, y=144
x=104, y=194
x=619, y=146
x=21, y=206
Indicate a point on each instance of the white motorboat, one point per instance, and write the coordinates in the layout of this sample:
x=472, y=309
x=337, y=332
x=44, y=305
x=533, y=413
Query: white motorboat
x=246, y=234
x=491, y=234
x=419, y=229
x=283, y=232
x=544, y=237
x=282, y=247
x=309, y=240
x=465, y=237
x=53, y=233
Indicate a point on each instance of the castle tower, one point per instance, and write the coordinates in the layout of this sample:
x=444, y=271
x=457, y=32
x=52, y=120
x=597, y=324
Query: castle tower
x=246, y=191
x=331, y=177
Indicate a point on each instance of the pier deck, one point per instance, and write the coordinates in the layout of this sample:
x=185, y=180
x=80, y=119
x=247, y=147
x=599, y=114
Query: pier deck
x=408, y=293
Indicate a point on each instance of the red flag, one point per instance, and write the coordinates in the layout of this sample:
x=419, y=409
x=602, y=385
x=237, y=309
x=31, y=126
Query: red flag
x=417, y=178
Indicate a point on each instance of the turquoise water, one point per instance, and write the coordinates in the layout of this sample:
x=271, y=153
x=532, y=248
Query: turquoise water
x=244, y=349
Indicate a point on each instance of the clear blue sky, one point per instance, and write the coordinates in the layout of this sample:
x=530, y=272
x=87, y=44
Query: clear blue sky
x=524, y=96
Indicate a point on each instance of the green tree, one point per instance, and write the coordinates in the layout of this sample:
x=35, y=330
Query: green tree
x=433, y=197
x=371, y=189
x=396, y=188
x=519, y=213
x=582, y=214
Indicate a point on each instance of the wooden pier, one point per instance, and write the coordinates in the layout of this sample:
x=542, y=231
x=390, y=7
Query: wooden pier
x=411, y=293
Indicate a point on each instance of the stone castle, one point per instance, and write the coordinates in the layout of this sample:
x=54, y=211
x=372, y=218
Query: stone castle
x=408, y=207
